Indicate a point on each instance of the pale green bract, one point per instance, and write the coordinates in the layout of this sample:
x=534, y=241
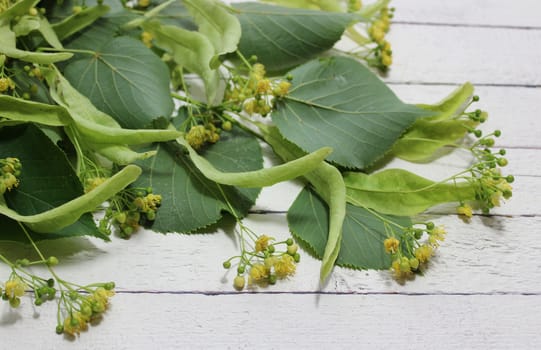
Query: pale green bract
x=328, y=183
x=400, y=192
x=259, y=178
x=429, y=135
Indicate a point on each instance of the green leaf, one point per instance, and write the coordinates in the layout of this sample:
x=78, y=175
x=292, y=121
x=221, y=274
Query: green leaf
x=126, y=80
x=189, y=200
x=338, y=102
x=400, y=192
x=283, y=37
x=190, y=50
x=363, y=232
x=428, y=135
x=50, y=198
x=220, y=27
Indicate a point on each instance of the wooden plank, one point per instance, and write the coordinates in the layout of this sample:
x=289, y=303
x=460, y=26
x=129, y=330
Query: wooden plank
x=488, y=255
x=305, y=321
x=524, y=13
x=454, y=55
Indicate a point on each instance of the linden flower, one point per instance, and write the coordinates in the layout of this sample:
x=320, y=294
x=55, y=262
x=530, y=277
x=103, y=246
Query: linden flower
x=262, y=243
x=284, y=266
x=282, y=89
x=391, y=245
x=465, y=210
x=93, y=182
x=75, y=324
x=14, y=288
x=147, y=38
x=259, y=272
x=263, y=86
x=401, y=267
x=437, y=235
x=424, y=253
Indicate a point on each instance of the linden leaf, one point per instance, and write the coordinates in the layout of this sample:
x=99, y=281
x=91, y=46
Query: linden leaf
x=283, y=37
x=126, y=80
x=363, y=232
x=189, y=200
x=339, y=103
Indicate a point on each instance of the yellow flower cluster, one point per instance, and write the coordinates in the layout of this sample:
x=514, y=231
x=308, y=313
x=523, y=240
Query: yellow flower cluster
x=89, y=308
x=13, y=291
x=129, y=209
x=409, y=254
x=139, y=211
x=265, y=265
x=255, y=92
x=199, y=135
x=377, y=31
x=92, y=182
x=147, y=38
x=10, y=170
x=6, y=84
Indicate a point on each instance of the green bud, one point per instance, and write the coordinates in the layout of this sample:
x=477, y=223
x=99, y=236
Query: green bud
x=73, y=295
x=15, y=302
x=109, y=285
x=239, y=282
x=271, y=249
x=430, y=225
x=497, y=133
x=414, y=263
x=38, y=302
x=241, y=269
x=226, y=264
x=297, y=257
x=292, y=249
x=52, y=261
x=475, y=98
x=289, y=241
x=23, y=262
x=502, y=152
x=272, y=279
x=151, y=215
x=502, y=162
x=510, y=178
x=478, y=133
x=59, y=329
x=50, y=282
x=227, y=126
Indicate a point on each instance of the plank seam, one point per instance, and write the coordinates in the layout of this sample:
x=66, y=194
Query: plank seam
x=407, y=294
x=431, y=83
x=467, y=25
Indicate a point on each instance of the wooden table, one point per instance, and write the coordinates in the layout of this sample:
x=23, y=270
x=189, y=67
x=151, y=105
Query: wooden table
x=481, y=291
